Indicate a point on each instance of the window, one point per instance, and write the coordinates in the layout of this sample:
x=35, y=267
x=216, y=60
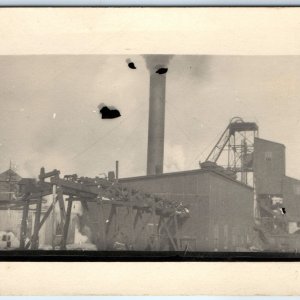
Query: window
x=268, y=155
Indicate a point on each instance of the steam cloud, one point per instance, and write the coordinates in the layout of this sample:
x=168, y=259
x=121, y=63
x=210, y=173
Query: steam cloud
x=175, y=158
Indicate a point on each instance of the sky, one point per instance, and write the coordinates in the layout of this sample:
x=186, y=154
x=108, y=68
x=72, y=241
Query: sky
x=49, y=115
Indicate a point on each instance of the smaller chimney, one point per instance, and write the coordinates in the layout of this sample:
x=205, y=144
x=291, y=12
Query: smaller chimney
x=117, y=170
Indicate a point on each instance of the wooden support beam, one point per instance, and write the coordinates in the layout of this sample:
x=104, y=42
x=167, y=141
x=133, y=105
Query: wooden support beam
x=138, y=216
x=85, y=207
x=44, y=175
x=66, y=225
x=61, y=202
x=84, y=204
x=24, y=223
x=164, y=224
x=177, y=237
x=102, y=245
x=140, y=229
x=131, y=225
x=37, y=195
x=75, y=186
x=21, y=202
x=153, y=213
x=117, y=203
x=111, y=227
x=35, y=239
x=110, y=218
x=158, y=231
x=45, y=217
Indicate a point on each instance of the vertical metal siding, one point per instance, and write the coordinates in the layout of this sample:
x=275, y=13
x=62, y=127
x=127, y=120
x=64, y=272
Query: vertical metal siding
x=291, y=198
x=211, y=198
x=269, y=166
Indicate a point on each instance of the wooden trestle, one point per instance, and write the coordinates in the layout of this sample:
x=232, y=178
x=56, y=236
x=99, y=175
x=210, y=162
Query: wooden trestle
x=140, y=214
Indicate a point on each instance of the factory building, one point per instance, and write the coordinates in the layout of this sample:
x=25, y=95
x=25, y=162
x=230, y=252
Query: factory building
x=9, y=185
x=269, y=167
x=224, y=213
x=10, y=220
x=221, y=209
x=240, y=198
x=291, y=192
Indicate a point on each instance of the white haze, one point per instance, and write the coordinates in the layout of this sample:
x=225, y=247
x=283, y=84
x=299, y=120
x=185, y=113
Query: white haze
x=202, y=94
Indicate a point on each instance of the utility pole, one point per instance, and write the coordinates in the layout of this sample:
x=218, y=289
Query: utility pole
x=9, y=180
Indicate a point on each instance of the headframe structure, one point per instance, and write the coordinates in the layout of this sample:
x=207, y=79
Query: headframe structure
x=234, y=150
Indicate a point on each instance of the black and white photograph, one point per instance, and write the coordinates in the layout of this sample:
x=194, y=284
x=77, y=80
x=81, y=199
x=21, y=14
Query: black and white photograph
x=187, y=153
x=149, y=151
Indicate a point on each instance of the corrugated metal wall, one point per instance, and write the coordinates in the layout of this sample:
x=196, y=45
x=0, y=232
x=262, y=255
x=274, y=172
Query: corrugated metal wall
x=221, y=210
x=269, y=166
x=231, y=214
x=291, y=198
x=192, y=189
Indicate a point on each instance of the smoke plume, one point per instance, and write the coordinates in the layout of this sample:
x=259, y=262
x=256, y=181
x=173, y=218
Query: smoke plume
x=153, y=62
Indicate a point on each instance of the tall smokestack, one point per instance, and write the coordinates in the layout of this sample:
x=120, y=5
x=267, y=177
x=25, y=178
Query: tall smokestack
x=156, y=124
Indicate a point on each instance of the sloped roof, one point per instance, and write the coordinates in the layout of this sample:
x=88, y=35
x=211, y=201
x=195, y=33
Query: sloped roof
x=10, y=175
x=188, y=172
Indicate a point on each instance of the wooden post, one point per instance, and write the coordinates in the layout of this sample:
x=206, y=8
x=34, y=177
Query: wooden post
x=84, y=205
x=60, y=198
x=142, y=226
x=177, y=233
x=41, y=224
x=35, y=238
x=131, y=224
x=159, y=226
x=102, y=227
x=136, y=218
x=154, y=232
x=117, y=170
x=53, y=221
x=66, y=225
x=110, y=218
x=24, y=223
x=45, y=217
x=165, y=225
